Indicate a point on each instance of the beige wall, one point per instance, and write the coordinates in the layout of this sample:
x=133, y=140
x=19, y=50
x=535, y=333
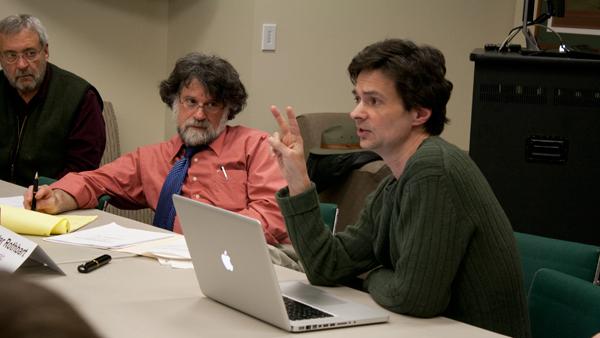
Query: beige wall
x=126, y=47
x=118, y=46
x=317, y=38
x=224, y=28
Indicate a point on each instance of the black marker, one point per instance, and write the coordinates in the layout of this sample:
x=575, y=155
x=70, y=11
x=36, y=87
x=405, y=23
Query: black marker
x=94, y=264
x=36, y=182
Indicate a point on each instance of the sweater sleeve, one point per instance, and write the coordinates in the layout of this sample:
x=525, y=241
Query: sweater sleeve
x=327, y=259
x=87, y=138
x=429, y=239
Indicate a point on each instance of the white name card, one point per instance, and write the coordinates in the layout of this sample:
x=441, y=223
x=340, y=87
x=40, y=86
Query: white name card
x=16, y=249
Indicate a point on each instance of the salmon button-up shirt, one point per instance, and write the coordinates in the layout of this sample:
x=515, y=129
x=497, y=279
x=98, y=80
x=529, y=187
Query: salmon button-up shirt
x=235, y=172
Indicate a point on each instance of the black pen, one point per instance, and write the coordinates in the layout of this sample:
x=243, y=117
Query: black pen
x=94, y=264
x=36, y=182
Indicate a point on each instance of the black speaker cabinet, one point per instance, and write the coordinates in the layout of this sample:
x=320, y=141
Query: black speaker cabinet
x=535, y=135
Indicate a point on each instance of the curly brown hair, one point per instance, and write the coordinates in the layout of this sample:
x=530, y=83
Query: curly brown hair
x=219, y=78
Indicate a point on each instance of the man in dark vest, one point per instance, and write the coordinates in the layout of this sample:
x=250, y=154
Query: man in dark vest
x=50, y=119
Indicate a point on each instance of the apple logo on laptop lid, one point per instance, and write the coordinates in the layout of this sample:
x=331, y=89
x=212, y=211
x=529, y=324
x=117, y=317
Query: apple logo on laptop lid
x=226, y=261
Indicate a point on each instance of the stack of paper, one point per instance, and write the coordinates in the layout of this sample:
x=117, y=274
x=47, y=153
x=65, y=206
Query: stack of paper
x=168, y=248
x=27, y=222
x=171, y=251
x=109, y=236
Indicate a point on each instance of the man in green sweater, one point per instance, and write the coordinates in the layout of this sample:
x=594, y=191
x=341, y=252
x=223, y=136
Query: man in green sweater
x=432, y=239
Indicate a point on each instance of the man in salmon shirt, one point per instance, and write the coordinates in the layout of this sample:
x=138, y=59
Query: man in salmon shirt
x=227, y=166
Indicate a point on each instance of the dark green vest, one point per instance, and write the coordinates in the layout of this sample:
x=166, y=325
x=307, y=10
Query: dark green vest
x=41, y=146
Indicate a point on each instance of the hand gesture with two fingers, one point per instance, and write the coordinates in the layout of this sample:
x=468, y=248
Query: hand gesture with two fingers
x=288, y=148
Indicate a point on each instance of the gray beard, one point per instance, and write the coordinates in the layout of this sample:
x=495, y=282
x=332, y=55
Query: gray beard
x=29, y=86
x=193, y=137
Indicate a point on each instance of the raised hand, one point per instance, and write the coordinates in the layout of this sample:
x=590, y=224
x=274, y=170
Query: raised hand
x=288, y=148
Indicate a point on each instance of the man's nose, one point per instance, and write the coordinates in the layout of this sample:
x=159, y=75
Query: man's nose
x=22, y=63
x=357, y=112
x=199, y=114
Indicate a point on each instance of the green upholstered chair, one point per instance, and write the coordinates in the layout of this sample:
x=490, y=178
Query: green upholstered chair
x=43, y=180
x=102, y=201
x=561, y=305
x=329, y=213
x=575, y=259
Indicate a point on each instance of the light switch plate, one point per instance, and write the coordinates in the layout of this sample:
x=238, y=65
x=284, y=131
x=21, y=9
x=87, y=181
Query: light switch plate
x=269, y=36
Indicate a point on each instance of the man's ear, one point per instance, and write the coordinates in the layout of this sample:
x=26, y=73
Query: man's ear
x=421, y=115
x=46, y=52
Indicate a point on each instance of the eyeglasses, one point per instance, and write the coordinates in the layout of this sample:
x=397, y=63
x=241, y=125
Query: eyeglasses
x=30, y=55
x=192, y=104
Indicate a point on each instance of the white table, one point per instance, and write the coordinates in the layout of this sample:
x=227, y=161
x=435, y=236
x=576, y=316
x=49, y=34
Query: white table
x=135, y=296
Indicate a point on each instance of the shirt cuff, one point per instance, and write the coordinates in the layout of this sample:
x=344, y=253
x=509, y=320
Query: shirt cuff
x=74, y=186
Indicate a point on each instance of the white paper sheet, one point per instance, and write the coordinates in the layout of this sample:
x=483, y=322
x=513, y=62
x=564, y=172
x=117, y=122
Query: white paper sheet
x=109, y=236
x=13, y=201
x=170, y=248
x=172, y=251
x=176, y=263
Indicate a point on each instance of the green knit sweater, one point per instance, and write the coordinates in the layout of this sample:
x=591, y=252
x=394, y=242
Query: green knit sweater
x=436, y=239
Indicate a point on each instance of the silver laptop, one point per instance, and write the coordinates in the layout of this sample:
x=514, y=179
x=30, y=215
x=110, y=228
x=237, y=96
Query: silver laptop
x=233, y=267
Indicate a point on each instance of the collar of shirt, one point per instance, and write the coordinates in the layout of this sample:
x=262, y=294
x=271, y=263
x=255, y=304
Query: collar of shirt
x=216, y=145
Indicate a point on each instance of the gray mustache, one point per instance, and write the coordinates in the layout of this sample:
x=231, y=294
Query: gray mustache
x=199, y=124
x=23, y=73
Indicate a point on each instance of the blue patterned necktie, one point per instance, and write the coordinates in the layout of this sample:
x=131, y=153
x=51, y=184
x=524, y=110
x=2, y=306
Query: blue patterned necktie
x=165, y=210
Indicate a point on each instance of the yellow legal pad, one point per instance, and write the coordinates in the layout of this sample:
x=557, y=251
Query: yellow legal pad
x=27, y=222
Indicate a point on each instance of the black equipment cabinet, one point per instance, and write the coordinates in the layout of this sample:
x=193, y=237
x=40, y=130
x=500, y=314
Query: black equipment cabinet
x=535, y=135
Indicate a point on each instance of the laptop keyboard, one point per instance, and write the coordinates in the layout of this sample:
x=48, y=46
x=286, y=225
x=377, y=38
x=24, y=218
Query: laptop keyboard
x=299, y=311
